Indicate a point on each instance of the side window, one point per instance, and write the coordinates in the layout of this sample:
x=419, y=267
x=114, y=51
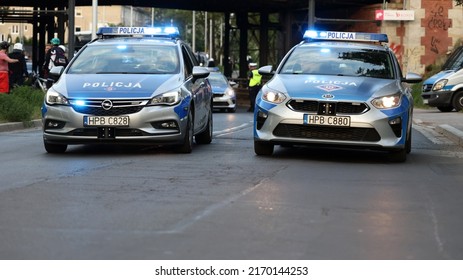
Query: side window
x=187, y=61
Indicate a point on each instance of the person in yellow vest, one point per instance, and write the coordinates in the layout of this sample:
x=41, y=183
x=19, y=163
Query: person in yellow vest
x=255, y=80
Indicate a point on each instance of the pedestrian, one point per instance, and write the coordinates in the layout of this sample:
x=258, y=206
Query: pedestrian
x=18, y=71
x=45, y=70
x=55, y=56
x=255, y=80
x=4, y=70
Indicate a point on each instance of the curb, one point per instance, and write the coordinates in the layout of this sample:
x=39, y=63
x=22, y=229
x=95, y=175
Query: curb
x=20, y=125
x=451, y=132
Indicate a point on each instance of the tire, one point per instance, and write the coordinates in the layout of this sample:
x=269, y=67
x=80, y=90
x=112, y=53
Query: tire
x=458, y=101
x=408, y=142
x=55, y=148
x=263, y=148
x=398, y=155
x=445, y=109
x=187, y=145
x=205, y=137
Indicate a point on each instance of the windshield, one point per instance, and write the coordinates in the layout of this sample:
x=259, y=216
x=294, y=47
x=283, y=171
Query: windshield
x=339, y=61
x=126, y=59
x=455, y=61
x=217, y=80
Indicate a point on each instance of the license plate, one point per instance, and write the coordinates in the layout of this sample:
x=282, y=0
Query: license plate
x=106, y=120
x=425, y=101
x=326, y=120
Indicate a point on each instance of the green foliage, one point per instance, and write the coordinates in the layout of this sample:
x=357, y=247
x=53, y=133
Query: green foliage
x=22, y=104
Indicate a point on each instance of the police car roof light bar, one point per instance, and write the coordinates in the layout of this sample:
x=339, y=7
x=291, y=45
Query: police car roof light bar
x=345, y=36
x=155, y=31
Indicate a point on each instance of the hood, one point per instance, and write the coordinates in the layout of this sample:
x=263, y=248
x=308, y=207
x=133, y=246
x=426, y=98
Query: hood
x=441, y=75
x=339, y=87
x=219, y=89
x=116, y=85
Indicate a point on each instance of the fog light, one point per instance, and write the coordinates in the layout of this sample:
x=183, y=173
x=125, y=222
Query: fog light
x=397, y=120
x=169, y=125
x=261, y=118
x=53, y=124
x=396, y=125
x=165, y=125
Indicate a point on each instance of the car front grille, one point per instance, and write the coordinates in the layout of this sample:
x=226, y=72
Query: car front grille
x=320, y=107
x=427, y=87
x=118, y=132
x=327, y=133
x=221, y=104
x=119, y=107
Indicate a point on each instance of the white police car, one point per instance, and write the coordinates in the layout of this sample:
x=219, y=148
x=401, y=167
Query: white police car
x=132, y=85
x=336, y=88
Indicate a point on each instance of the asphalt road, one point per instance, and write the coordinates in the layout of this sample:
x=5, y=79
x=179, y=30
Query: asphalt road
x=224, y=202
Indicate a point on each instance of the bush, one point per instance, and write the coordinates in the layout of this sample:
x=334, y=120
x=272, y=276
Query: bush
x=22, y=104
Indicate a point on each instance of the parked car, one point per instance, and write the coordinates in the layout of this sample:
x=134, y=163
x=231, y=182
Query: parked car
x=339, y=89
x=444, y=90
x=224, y=94
x=134, y=85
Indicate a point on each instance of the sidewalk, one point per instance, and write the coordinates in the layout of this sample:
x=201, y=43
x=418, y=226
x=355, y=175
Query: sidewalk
x=19, y=125
x=448, y=124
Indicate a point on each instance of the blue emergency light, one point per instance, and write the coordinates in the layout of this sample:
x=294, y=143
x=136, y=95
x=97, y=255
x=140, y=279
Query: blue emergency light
x=164, y=31
x=345, y=36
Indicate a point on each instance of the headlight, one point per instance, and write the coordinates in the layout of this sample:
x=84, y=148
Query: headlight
x=440, y=85
x=230, y=92
x=54, y=98
x=168, y=98
x=273, y=96
x=387, y=102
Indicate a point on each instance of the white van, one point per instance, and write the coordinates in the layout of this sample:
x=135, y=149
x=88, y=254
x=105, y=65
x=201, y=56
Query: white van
x=444, y=90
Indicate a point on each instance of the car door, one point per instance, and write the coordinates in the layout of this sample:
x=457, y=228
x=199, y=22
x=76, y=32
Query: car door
x=201, y=92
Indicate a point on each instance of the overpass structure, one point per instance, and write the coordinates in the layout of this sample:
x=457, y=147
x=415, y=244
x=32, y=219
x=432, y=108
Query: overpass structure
x=293, y=17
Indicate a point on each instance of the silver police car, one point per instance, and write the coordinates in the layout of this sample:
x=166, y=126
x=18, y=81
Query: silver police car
x=340, y=89
x=132, y=85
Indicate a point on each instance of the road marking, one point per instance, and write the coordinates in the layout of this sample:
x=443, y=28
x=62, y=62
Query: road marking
x=186, y=223
x=232, y=129
x=429, y=132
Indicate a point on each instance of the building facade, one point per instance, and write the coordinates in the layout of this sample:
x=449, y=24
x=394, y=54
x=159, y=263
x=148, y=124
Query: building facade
x=431, y=30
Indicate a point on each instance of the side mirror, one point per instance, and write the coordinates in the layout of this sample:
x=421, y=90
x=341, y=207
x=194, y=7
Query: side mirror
x=55, y=72
x=412, y=78
x=199, y=72
x=266, y=70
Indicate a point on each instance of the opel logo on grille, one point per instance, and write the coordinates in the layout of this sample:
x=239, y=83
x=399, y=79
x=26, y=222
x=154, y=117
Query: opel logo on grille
x=107, y=104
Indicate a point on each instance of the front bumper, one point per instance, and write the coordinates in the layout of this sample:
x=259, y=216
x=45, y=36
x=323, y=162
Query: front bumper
x=374, y=129
x=63, y=125
x=224, y=102
x=437, y=98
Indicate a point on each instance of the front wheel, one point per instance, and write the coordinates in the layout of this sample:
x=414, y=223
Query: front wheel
x=187, y=146
x=458, y=101
x=445, y=109
x=55, y=148
x=263, y=148
x=398, y=155
x=205, y=137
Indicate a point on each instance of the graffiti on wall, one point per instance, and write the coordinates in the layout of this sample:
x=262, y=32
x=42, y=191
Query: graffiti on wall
x=438, y=19
x=409, y=58
x=436, y=23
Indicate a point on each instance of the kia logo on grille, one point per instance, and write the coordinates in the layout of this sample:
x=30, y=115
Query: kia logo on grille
x=107, y=104
x=328, y=96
